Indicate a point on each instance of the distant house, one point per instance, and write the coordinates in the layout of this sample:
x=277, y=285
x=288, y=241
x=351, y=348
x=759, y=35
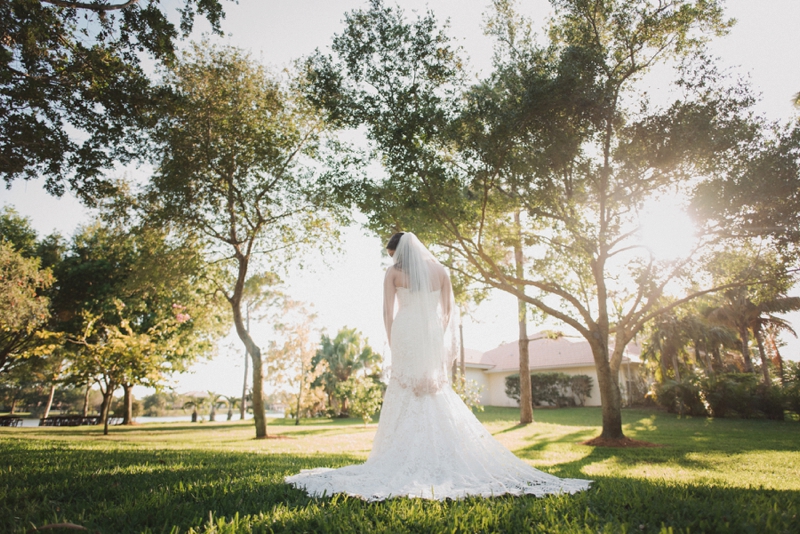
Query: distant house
x=562, y=355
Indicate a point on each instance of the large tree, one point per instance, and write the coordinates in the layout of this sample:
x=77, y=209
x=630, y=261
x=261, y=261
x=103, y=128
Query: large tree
x=74, y=91
x=234, y=167
x=561, y=134
x=136, y=304
x=24, y=284
x=23, y=306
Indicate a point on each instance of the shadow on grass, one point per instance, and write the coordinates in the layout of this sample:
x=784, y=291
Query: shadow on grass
x=135, y=491
x=333, y=431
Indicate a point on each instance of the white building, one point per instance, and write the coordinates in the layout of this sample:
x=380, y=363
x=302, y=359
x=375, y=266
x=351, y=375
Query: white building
x=562, y=355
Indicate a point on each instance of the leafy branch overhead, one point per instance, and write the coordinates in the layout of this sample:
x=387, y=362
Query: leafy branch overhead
x=75, y=95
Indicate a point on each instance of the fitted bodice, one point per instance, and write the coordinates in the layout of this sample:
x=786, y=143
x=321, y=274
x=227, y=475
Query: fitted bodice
x=428, y=299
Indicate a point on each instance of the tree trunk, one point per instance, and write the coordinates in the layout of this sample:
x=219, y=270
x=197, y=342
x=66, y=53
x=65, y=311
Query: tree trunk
x=49, y=402
x=675, y=366
x=718, y=358
x=662, y=363
x=259, y=414
x=299, y=400
x=127, y=413
x=13, y=405
x=108, y=396
x=212, y=414
x=610, y=396
x=462, y=355
x=748, y=363
x=707, y=358
x=778, y=359
x=103, y=403
x=86, y=400
x=525, y=393
x=243, y=409
x=763, y=354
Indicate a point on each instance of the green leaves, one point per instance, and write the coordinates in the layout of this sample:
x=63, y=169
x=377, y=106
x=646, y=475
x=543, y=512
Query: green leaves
x=338, y=359
x=74, y=96
x=364, y=396
x=234, y=159
x=23, y=307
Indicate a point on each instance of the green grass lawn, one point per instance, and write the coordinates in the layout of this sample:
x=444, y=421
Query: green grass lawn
x=709, y=476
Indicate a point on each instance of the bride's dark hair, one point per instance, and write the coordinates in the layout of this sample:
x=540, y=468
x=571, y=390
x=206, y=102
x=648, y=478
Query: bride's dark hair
x=394, y=241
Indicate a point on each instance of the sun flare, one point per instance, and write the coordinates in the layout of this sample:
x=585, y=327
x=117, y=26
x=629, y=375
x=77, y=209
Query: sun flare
x=666, y=229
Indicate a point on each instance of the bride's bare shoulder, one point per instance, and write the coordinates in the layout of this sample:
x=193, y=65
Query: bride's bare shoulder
x=439, y=269
x=392, y=273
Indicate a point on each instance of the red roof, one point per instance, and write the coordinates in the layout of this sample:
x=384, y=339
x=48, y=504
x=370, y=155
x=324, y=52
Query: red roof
x=543, y=353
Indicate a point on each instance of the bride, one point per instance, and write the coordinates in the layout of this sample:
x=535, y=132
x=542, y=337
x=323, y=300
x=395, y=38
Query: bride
x=428, y=443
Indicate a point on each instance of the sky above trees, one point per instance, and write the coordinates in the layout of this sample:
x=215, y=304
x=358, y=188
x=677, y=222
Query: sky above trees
x=345, y=287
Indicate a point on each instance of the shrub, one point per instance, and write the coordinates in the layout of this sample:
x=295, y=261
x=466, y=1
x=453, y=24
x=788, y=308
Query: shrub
x=470, y=393
x=718, y=393
x=512, y=387
x=744, y=399
x=156, y=404
x=581, y=386
x=682, y=397
x=547, y=388
x=364, y=396
x=554, y=389
x=771, y=402
x=742, y=393
x=791, y=397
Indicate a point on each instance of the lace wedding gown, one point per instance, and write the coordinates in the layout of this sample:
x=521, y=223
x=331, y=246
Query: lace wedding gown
x=428, y=443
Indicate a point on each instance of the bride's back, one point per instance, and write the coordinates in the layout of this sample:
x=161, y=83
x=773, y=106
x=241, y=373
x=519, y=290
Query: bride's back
x=436, y=276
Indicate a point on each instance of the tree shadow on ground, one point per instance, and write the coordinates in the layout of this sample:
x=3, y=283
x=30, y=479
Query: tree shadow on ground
x=334, y=431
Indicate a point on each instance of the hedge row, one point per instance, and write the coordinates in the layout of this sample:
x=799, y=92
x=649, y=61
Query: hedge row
x=724, y=395
x=553, y=389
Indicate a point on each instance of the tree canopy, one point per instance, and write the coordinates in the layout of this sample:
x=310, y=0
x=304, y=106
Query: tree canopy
x=235, y=167
x=559, y=134
x=136, y=304
x=74, y=90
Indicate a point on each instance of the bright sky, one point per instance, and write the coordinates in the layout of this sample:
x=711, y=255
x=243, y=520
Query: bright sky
x=762, y=45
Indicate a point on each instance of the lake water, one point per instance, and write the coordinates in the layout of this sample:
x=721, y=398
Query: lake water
x=143, y=420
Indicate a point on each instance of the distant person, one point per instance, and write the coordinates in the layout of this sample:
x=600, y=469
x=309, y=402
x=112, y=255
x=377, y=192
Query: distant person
x=428, y=443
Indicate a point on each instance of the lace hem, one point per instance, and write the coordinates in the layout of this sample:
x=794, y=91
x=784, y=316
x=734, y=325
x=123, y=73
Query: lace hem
x=322, y=482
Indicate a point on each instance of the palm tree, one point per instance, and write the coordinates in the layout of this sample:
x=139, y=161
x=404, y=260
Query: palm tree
x=707, y=339
x=772, y=331
x=347, y=353
x=666, y=341
x=720, y=337
x=745, y=316
x=232, y=402
x=216, y=400
x=197, y=404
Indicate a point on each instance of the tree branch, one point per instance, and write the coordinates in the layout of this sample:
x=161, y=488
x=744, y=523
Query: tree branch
x=97, y=7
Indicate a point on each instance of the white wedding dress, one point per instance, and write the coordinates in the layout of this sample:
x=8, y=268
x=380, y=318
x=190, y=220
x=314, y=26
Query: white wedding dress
x=428, y=443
